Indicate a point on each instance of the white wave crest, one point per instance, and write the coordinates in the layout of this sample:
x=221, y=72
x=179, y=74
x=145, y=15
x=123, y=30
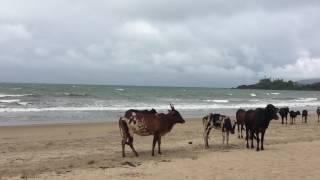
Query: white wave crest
x=217, y=100
x=253, y=95
x=119, y=89
x=14, y=95
x=23, y=103
x=10, y=101
x=306, y=99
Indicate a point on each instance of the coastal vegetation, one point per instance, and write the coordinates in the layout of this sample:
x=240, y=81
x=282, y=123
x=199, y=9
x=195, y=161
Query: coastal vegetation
x=280, y=84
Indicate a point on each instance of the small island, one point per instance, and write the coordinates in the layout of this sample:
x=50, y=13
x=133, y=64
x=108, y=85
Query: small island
x=280, y=84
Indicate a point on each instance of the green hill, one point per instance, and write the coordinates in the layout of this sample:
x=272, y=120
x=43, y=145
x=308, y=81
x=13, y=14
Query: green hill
x=280, y=84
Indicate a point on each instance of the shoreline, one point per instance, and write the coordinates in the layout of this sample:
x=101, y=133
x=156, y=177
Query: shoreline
x=27, y=119
x=73, y=124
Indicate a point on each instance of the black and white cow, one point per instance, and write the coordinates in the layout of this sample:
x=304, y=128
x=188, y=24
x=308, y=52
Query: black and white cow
x=217, y=121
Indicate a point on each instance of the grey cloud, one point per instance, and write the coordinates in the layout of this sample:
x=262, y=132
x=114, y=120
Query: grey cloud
x=208, y=43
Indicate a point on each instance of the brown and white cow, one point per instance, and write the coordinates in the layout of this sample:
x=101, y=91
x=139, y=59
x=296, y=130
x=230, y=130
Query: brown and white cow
x=146, y=123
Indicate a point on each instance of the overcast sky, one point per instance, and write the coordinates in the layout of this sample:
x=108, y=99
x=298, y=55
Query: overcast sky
x=215, y=43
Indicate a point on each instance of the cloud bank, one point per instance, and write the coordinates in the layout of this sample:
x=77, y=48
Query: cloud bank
x=176, y=43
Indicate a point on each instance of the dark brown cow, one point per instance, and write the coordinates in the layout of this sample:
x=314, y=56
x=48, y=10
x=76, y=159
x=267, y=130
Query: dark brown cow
x=284, y=114
x=240, y=115
x=293, y=115
x=304, y=116
x=146, y=124
x=318, y=112
x=257, y=121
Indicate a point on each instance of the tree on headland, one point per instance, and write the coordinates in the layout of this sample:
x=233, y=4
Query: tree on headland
x=280, y=84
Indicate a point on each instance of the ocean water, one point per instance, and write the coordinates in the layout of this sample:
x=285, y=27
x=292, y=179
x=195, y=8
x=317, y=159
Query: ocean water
x=22, y=104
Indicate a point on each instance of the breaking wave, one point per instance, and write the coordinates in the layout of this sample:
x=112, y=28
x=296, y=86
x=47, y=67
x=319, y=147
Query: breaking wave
x=306, y=99
x=217, y=100
x=14, y=95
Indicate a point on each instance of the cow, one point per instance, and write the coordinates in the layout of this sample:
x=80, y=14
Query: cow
x=318, y=113
x=214, y=121
x=304, y=116
x=227, y=128
x=146, y=124
x=240, y=115
x=284, y=114
x=257, y=121
x=293, y=115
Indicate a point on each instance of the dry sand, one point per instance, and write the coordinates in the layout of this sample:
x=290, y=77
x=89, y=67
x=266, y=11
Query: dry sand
x=93, y=151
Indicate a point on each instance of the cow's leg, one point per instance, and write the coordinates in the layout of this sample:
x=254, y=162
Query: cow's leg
x=247, y=137
x=286, y=120
x=258, y=140
x=238, y=125
x=306, y=119
x=223, y=137
x=241, y=130
x=131, y=146
x=123, y=144
x=282, y=119
x=262, y=139
x=159, y=143
x=206, y=137
x=227, y=137
x=155, y=138
x=251, y=136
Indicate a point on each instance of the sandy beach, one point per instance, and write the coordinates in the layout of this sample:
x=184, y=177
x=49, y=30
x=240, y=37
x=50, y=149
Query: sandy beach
x=93, y=151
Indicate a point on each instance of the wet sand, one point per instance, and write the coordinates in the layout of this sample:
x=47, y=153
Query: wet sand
x=93, y=151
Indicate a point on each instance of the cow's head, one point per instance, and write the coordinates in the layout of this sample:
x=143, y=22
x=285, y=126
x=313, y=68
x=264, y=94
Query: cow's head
x=272, y=111
x=298, y=113
x=176, y=115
